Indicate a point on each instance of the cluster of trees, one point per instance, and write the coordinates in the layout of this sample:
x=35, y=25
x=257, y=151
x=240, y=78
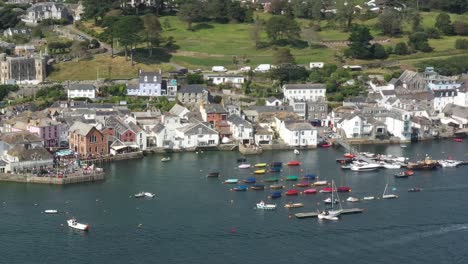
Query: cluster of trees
x=8, y=18
x=221, y=11
x=5, y=89
x=450, y=66
x=360, y=46
x=113, y=90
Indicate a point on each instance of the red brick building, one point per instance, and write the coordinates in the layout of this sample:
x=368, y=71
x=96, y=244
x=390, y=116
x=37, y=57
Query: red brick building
x=87, y=140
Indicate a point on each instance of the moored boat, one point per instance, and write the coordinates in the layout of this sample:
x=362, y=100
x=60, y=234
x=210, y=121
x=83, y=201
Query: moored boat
x=294, y=163
x=244, y=166
x=276, y=164
x=388, y=196
x=329, y=201
x=293, y=205
x=309, y=177
x=344, y=189
x=231, y=181
x=302, y=184
x=277, y=186
x=292, y=178
x=149, y=195
x=213, y=174
x=391, y=166
x=365, y=167
x=426, y=164
x=257, y=187
x=346, y=167
x=344, y=161
x=51, y=211
x=349, y=155
x=263, y=206
x=165, y=159
x=414, y=190
x=458, y=139
x=275, y=169
x=320, y=183
x=75, y=225
x=368, y=198
x=352, y=199
x=260, y=165
x=271, y=179
x=296, y=152
x=310, y=191
x=250, y=180
x=260, y=172
x=276, y=195
x=326, y=190
x=139, y=195
x=327, y=216
x=240, y=188
x=292, y=192
x=449, y=163
x=325, y=145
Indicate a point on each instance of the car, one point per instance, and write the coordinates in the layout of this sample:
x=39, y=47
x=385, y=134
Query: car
x=198, y=70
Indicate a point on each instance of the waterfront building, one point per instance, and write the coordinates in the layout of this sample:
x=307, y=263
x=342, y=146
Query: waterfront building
x=213, y=113
x=443, y=98
x=87, y=140
x=354, y=125
x=38, y=123
x=263, y=136
x=301, y=134
x=455, y=115
x=241, y=129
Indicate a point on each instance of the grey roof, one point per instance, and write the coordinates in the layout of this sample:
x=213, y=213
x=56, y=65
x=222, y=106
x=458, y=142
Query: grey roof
x=445, y=93
x=197, y=129
x=388, y=92
x=177, y=109
x=237, y=120
x=135, y=127
x=22, y=137
x=296, y=126
x=150, y=77
x=79, y=86
x=193, y=88
x=270, y=109
x=456, y=110
x=80, y=128
x=158, y=127
x=305, y=86
x=271, y=99
x=24, y=154
x=215, y=109
x=262, y=131
x=393, y=81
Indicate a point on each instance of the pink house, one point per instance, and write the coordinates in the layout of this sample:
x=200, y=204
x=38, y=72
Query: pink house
x=45, y=128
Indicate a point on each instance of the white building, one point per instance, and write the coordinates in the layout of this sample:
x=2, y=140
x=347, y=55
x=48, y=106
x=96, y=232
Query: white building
x=81, y=91
x=316, y=65
x=198, y=136
x=398, y=124
x=443, y=98
x=273, y=101
x=306, y=92
x=47, y=10
x=263, y=136
x=150, y=84
x=354, y=126
x=300, y=134
x=462, y=96
x=241, y=129
x=455, y=114
x=234, y=80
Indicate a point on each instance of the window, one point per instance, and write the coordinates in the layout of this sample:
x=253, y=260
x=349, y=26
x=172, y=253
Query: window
x=211, y=142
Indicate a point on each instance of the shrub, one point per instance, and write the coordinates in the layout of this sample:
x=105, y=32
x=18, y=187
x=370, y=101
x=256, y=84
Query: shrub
x=461, y=44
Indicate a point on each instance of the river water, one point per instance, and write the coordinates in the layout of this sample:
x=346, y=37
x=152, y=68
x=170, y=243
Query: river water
x=198, y=220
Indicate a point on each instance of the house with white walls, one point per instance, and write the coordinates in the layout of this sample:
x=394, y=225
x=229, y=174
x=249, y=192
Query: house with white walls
x=305, y=92
x=300, y=134
x=241, y=129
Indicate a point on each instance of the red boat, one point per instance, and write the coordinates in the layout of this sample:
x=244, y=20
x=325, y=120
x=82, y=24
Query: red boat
x=349, y=155
x=294, y=163
x=292, y=192
x=310, y=191
x=458, y=140
x=325, y=145
x=409, y=173
x=344, y=189
x=327, y=190
x=303, y=184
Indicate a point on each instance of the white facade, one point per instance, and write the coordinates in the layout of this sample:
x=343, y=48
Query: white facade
x=141, y=139
x=443, y=98
x=316, y=65
x=399, y=126
x=462, y=97
x=47, y=10
x=241, y=129
x=234, y=80
x=306, y=92
x=353, y=127
x=298, y=134
x=83, y=91
x=376, y=87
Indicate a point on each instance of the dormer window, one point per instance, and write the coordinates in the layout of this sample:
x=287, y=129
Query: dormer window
x=146, y=78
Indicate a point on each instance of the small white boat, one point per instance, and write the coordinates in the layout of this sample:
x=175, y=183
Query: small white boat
x=244, y=166
x=75, y=225
x=449, y=163
x=320, y=183
x=149, y=195
x=388, y=196
x=403, y=146
x=329, y=215
x=329, y=201
x=263, y=206
x=51, y=211
x=166, y=159
x=368, y=198
x=139, y=195
x=293, y=205
x=346, y=167
x=296, y=152
x=391, y=166
x=353, y=199
x=365, y=167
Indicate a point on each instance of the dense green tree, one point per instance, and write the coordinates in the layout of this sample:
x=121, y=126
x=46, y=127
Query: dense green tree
x=283, y=56
x=127, y=30
x=345, y=12
x=96, y=9
x=8, y=18
x=153, y=31
x=237, y=13
x=195, y=78
x=276, y=6
x=191, y=11
x=444, y=24
x=280, y=27
x=286, y=73
x=256, y=32
x=391, y=22
x=378, y=51
x=419, y=41
x=5, y=89
x=360, y=47
x=401, y=49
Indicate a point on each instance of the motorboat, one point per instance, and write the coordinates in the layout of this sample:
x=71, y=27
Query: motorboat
x=449, y=163
x=368, y=198
x=404, y=174
x=260, y=172
x=292, y=192
x=365, y=167
x=325, y=145
x=292, y=178
x=250, y=180
x=344, y=189
x=325, y=215
x=388, y=196
x=277, y=186
x=414, y=190
x=75, y=225
x=271, y=179
x=346, y=167
x=353, y=199
x=309, y=177
x=263, y=206
x=231, y=181
x=310, y=191
x=213, y=174
x=240, y=188
x=275, y=169
x=294, y=163
x=326, y=190
x=276, y=195
x=320, y=183
x=349, y=155
x=241, y=160
x=260, y=165
x=391, y=166
x=139, y=195
x=276, y=164
x=293, y=205
x=165, y=159
x=329, y=201
x=51, y=211
x=244, y=166
x=344, y=161
x=257, y=187
x=149, y=195
x=296, y=152
x=303, y=184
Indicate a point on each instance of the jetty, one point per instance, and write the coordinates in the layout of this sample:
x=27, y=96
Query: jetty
x=352, y=150
x=60, y=179
x=315, y=214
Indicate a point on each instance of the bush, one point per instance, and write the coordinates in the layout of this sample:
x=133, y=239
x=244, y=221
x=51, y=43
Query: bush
x=460, y=28
x=433, y=33
x=379, y=51
x=401, y=49
x=461, y=44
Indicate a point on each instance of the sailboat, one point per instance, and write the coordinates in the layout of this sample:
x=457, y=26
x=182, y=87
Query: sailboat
x=332, y=214
x=388, y=196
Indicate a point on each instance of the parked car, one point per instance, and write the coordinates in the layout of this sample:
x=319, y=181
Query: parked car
x=263, y=68
x=245, y=69
x=198, y=70
x=218, y=69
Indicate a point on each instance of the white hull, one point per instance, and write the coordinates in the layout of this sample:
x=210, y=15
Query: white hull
x=449, y=163
x=389, y=196
x=367, y=167
x=320, y=183
x=368, y=198
x=296, y=152
x=50, y=211
x=139, y=195
x=352, y=199
x=263, y=206
x=244, y=166
x=75, y=225
x=149, y=195
x=392, y=166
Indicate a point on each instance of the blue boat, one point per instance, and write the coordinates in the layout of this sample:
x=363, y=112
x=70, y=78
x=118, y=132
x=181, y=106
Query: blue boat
x=276, y=195
x=275, y=169
x=276, y=164
x=309, y=177
x=250, y=180
x=240, y=188
x=257, y=187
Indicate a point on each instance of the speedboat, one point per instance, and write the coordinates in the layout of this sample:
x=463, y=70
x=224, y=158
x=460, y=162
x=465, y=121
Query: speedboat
x=303, y=184
x=414, y=190
x=276, y=186
x=240, y=188
x=276, y=195
x=344, y=189
x=391, y=166
x=263, y=206
x=329, y=201
x=310, y=191
x=51, y=211
x=139, y=195
x=244, y=166
x=166, y=159
x=231, y=181
x=294, y=163
x=292, y=178
x=293, y=205
x=213, y=174
x=250, y=180
x=352, y=199
x=365, y=167
x=149, y=195
x=260, y=165
x=257, y=187
x=292, y=192
x=368, y=198
x=329, y=215
x=449, y=163
x=296, y=152
x=349, y=155
x=320, y=183
x=260, y=172
x=75, y=225
x=346, y=167
x=326, y=190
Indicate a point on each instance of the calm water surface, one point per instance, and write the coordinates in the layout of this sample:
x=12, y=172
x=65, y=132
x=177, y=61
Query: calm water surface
x=198, y=220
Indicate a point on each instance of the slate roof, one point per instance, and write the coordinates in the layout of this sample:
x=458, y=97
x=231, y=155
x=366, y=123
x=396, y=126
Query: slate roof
x=456, y=110
x=197, y=129
x=193, y=88
x=80, y=128
x=304, y=86
x=23, y=137
x=23, y=154
x=150, y=77
x=215, y=109
x=296, y=126
x=79, y=86
x=271, y=99
x=237, y=120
